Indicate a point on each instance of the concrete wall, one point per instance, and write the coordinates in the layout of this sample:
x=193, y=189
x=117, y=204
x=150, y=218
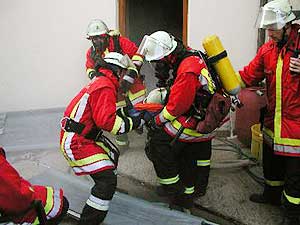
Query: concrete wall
x=233, y=21
x=42, y=49
x=43, y=45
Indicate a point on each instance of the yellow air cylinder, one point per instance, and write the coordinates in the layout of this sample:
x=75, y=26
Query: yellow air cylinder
x=223, y=67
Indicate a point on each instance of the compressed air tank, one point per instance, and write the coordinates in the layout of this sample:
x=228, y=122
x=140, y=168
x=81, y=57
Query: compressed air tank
x=221, y=63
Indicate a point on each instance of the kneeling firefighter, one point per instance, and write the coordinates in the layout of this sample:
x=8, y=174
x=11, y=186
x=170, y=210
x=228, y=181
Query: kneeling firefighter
x=186, y=119
x=87, y=150
x=24, y=203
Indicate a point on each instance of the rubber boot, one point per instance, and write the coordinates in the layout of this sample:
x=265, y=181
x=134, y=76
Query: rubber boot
x=271, y=195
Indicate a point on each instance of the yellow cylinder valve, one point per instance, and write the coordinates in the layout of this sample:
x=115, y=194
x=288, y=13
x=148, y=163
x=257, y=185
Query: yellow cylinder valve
x=221, y=63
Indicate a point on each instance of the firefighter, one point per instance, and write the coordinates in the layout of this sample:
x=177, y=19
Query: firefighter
x=83, y=144
x=191, y=86
x=17, y=196
x=277, y=62
x=104, y=41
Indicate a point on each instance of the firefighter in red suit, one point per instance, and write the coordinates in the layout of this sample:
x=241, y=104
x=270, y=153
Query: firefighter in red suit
x=276, y=62
x=17, y=195
x=104, y=41
x=191, y=80
x=87, y=150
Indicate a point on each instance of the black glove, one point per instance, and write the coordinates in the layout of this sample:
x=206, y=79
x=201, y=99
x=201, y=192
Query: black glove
x=128, y=80
x=125, y=86
x=151, y=124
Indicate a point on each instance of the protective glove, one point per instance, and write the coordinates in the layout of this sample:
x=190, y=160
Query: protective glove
x=128, y=80
x=125, y=86
x=147, y=116
x=151, y=124
x=134, y=113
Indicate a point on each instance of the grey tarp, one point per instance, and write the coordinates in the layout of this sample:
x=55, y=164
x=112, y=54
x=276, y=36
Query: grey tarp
x=124, y=209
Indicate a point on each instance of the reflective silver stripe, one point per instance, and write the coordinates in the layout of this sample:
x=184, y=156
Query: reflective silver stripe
x=56, y=204
x=93, y=167
x=183, y=136
x=79, y=112
x=129, y=79
x=98, y=203
x=81, y=107
x=67, y=145
x=287, y=149
x=161, y=117
x=137, y=100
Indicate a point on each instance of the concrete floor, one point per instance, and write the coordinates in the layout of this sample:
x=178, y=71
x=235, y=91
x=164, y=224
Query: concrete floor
x=31, y=140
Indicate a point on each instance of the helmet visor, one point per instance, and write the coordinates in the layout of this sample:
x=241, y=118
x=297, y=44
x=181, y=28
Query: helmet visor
x=152, y=49
x=271, y=19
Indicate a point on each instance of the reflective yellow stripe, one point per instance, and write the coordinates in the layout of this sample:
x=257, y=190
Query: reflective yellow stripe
x=89, y=160
x=63, y=144
x=274, y=183
x=89, y=70
x=167, y=181
x=203, y=162
x=187, y=131
x=137, y=58
x=138, y=94
x=132, y=97
x=167, y=115
x=211, y=87
x=132, y=68
x=117, y=125
x=189, y=190
x=103, y=147
x=278, y=110
x=277, y=118
x=49, y=203
x=130, y=123
x=291, y=199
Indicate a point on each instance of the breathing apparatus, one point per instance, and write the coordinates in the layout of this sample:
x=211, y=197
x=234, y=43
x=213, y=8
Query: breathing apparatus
x=217, y=57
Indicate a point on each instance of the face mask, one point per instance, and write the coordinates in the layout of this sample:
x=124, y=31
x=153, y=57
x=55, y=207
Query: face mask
x=100, y=42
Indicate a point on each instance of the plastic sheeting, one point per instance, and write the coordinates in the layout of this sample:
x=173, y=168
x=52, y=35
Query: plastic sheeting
x=124, y=209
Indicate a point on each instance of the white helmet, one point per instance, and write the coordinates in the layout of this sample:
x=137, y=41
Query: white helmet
x=275, y=15
x=117, y=59
x=157, y=45
x=157, y=95
x=96, y=27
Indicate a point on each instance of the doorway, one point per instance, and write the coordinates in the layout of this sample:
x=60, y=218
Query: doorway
x=137, y=18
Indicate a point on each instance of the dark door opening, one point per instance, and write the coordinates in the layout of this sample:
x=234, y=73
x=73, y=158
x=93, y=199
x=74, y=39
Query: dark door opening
x=138, y=17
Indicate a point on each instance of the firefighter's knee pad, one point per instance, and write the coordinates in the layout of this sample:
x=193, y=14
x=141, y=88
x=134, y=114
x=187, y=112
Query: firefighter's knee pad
x=105, y=184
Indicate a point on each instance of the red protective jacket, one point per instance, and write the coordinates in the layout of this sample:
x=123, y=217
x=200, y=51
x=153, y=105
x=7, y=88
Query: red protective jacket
x=16, y=195
x=138, y=90
x=282, y=120
x=95, y=107
x=192, y=74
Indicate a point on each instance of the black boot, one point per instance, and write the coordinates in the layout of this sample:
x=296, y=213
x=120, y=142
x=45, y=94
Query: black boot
x=291, y=221
x=262, y=199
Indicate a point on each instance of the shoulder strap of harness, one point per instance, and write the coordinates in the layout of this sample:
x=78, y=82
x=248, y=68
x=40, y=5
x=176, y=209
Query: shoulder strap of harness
x=117, y=46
